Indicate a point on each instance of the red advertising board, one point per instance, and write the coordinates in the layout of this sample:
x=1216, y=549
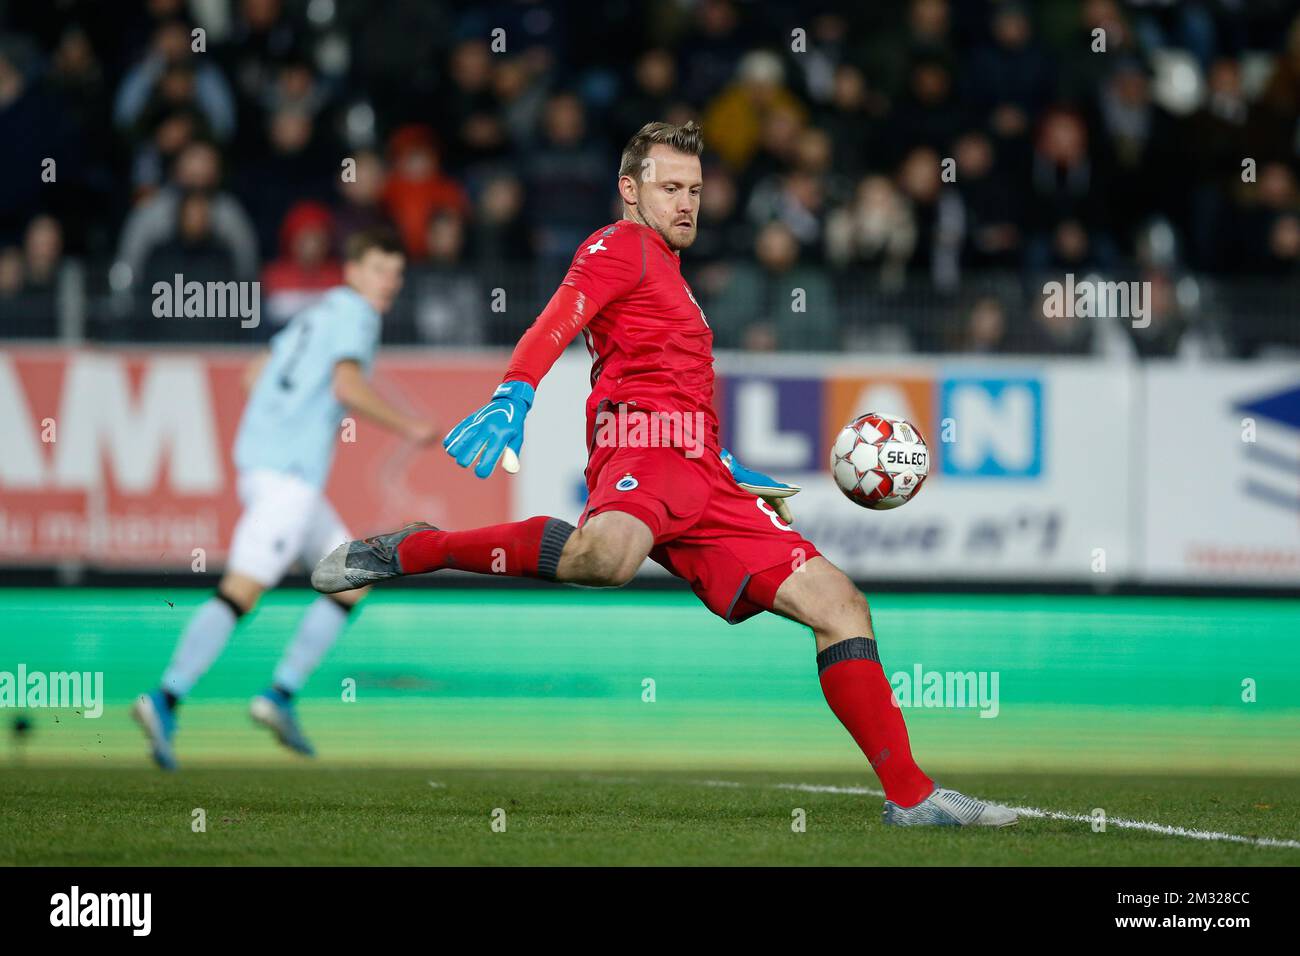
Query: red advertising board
x=122, y=457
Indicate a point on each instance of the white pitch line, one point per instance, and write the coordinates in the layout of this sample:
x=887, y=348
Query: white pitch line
x=1118, y=822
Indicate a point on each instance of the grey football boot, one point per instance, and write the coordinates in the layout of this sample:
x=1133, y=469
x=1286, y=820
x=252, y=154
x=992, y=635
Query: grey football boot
x=948, y=808
x=354, y=564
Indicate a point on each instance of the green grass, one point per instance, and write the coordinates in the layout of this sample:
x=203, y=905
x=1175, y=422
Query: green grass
x=556, y=678
x=1133, y=705
x=356, y=816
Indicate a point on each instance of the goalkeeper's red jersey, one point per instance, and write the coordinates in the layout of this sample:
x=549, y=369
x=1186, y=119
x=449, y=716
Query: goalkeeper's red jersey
x=650, y=344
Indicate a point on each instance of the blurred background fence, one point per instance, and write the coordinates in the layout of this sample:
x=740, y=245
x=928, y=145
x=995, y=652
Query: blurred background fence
x=749, y=308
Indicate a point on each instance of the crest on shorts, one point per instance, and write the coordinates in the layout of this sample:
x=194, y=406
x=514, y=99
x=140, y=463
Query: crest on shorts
x=626, y=483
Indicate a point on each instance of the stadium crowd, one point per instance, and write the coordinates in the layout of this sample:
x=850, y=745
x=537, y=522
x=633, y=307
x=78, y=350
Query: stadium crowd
x=252, y=151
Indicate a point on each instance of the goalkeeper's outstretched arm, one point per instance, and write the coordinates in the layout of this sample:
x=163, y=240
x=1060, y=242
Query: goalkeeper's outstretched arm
x=496, y=431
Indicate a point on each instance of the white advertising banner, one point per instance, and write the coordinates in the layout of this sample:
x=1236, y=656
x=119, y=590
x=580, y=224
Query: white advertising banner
x=1018, y=450
x=1221, y=479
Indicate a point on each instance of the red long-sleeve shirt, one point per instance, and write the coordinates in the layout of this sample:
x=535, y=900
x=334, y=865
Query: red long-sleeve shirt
x=649, y=341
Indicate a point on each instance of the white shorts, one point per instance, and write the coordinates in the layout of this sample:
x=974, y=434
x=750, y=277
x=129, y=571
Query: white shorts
x=284, y=519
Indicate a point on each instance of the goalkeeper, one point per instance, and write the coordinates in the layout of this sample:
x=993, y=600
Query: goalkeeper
x=724, y=529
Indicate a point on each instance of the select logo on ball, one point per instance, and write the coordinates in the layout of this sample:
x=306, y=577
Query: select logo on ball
x=879, y=461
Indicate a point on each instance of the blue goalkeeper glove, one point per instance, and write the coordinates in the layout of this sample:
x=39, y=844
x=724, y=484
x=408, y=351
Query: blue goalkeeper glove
x=496, y=431
x=756, y=483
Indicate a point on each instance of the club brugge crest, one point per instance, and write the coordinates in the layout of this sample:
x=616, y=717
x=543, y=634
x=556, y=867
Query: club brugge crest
x=626, y=483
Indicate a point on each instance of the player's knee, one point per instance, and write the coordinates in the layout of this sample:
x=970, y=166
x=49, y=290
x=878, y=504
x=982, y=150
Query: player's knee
x=860, y=612
x=605, y=553
x=625, y=570
x=239, y=591
x=841, y=610
x=614, y=568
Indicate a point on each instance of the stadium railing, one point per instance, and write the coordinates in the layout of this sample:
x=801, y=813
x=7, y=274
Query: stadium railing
x=808, y=309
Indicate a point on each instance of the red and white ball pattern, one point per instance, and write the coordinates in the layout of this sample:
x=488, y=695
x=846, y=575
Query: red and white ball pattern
x=879, y=461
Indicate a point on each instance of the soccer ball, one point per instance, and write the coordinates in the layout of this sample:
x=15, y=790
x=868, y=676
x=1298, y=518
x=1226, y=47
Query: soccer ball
x=879, y=461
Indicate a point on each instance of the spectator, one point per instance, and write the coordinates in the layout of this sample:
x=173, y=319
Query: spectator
x=1283, y=254
x=569, y=180
x=852, y=122
x=29, y=280
x=653, y=92
x=295, y=87
x=776, y=153
x=263, y=37
x=295, y=165
x=31, y=132
x=1171, y=332
x=734, y=122
x=1009, y=79
x=918, y=180
x=78, y=76
x=521, y=100
x=983, y=329
x=723, y=233
x=891, y=51
x=1273, y=117
x=1064, y=178
x=1069, y=248
x=1215, y=143
x=11, y=275
x=42, y=270
x=451, y=309
x=877, y=232
x=78, y=84
x=1189, y=25
x=1266, y=222
x=42, y=254
x=153, y=224
x=991, y=207
x=397, y=55
x=827, y=51
x=170, y=73
x=194, y=249
x=360, y=204
x=797, y=201
x=1143, y=172
x=927, y=115
x=1081, y=66
x=776, y=303
x=307, y=265
x=469, y=110
x=417, y=189
x=711, y=50
x=1057, y=331
x=497, y=233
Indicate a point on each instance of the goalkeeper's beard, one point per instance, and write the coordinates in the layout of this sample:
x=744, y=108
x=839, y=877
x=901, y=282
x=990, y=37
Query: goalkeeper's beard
x=674, y=243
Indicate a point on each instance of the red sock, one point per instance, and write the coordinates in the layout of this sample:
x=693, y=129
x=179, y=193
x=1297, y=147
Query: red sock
x=520, y=549
x=859, y=693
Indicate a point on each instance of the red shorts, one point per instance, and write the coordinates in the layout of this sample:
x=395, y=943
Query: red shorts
x=728, y=544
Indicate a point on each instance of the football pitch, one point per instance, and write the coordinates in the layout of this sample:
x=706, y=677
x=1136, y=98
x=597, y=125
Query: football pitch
x=470, y=726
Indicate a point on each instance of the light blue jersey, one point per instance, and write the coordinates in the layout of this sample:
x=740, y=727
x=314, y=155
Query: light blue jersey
x=291, y=422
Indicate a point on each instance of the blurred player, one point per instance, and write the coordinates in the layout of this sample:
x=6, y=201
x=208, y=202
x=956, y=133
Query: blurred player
x=686, y=504
x=316, y=369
